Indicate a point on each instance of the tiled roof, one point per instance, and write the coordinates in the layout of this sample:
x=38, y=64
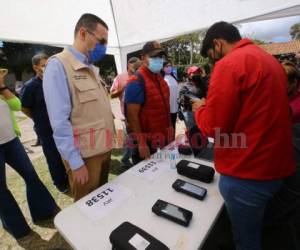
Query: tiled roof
x=282, y=48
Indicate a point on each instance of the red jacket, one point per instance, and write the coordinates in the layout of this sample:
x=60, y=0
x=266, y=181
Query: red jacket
x=155, y=118
x=295, y=107
x=247, y=103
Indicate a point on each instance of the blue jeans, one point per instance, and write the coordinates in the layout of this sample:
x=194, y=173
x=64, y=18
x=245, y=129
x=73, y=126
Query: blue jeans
x=127, y=144
x=56, y=167
x=189, y=119
x=245, y=201
x=40, y=202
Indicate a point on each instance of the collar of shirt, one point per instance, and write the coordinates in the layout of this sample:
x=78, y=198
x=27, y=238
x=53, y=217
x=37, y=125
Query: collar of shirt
x=37, y=79
x=243, y=42
x=79, y=56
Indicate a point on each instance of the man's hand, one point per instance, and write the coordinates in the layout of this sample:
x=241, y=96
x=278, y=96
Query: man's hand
x=81, y=175
x=144, y=151
x=196, y=104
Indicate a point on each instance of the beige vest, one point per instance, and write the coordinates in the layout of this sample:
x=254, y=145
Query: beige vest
x=91, y=115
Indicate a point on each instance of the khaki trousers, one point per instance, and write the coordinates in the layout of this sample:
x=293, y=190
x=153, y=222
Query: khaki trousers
x=98, y=169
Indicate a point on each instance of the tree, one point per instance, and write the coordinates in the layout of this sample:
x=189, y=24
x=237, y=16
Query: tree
x=185, y=49
x=295, y=31
x=19, y=56
x=258, y=41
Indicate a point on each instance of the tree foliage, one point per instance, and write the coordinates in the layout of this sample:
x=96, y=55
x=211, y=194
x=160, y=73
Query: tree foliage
x=295, y=31
x=18, y=56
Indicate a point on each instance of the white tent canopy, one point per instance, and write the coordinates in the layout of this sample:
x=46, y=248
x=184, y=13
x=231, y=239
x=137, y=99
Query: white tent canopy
x=131, y=22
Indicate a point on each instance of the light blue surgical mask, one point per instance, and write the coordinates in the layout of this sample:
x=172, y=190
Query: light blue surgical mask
x=97, y=53
x=155, y=64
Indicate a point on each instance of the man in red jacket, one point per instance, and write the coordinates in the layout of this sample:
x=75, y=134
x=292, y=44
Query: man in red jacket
x=247, y=113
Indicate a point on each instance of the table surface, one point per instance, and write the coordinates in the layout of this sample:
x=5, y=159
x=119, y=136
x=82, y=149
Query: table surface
x=84, y=232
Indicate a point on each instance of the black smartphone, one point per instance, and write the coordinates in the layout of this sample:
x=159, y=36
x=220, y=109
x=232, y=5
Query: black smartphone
x=172, y=212
x=190, y=189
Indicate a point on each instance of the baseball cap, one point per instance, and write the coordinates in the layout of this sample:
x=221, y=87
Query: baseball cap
x=153, y=48
x=135, y=62
x=193, y=69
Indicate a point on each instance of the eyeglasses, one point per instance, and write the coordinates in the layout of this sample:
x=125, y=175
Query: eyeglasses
x=101, y=41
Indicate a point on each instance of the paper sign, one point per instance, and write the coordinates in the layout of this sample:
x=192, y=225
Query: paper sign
x=103, y=200
x=139, y=242
x=151, y=169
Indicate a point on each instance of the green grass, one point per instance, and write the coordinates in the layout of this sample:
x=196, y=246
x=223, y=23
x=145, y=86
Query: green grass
x=44, y=235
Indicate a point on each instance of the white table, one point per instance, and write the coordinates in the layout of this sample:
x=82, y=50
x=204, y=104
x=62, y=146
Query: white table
x=85, y=232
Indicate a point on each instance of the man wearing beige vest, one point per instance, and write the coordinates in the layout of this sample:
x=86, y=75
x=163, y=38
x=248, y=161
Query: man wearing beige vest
x=79, y=108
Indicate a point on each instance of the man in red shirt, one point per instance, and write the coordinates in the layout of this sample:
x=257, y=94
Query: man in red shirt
x=246, y=111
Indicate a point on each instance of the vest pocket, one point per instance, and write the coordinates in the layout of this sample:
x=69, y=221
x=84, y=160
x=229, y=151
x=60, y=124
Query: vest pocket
x=93, y=138
x=86, y=91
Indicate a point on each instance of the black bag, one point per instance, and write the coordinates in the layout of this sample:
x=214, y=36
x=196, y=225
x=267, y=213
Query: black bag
x=200, y=173
x=125, y=236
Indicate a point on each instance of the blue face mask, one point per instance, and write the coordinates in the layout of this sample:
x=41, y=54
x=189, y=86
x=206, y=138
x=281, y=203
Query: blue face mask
x=97, y=53
x=155, y=64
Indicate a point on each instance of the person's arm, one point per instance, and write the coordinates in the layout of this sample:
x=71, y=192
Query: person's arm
x=26, y=100
x=134, y=98
x=12, y=101
x=58, y=103
x=222, y=105
x=116, y=90
x=116, y=93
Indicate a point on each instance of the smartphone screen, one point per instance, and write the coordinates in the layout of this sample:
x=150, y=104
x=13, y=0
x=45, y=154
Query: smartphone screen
x=173, y=211
x=193, y=189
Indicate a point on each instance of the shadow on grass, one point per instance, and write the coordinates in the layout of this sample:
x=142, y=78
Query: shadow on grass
x=116, y=167
x=117, y=152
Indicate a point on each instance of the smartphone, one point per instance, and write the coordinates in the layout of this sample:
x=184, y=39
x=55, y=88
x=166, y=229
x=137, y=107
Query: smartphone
x=172, y=212
x=189, y=189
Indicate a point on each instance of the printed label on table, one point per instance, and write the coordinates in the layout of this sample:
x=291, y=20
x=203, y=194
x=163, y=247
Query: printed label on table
x=139, y=242
x=103, y=200
x=151, y=169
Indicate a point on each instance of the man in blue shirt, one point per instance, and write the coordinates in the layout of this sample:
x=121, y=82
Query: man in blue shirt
x=34, y=106
x=79, y=108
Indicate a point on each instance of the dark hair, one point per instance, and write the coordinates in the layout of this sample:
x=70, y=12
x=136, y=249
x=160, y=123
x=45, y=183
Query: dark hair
x=162, y=72
x=89, y=21
x=223, y=30
x=38, y=57
x=133, y=60
x=166, y=63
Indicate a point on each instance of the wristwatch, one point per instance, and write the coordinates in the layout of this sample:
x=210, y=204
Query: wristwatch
x=3, y=88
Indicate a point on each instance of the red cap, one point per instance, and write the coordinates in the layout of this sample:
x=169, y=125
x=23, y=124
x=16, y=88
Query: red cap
x=193, y=69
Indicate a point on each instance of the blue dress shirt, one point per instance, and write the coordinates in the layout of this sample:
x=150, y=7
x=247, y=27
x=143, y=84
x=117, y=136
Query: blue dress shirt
x=58, y=102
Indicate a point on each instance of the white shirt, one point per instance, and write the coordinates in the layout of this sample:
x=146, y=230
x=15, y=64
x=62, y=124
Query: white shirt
x=174, y=93
x=7, y=132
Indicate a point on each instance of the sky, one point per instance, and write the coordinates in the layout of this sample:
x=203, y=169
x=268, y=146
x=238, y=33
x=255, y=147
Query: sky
x=275, y=30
